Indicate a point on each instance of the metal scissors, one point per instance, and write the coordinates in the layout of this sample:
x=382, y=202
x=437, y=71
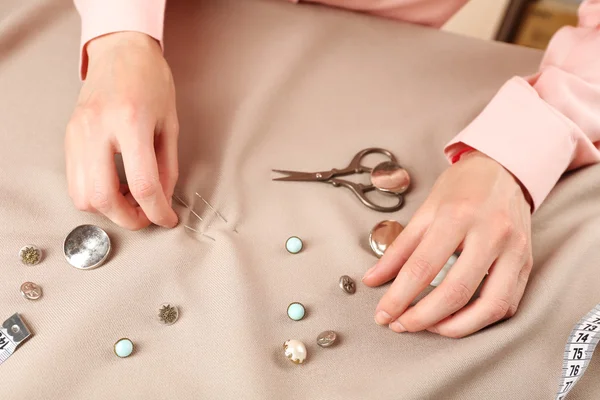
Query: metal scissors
x=384, y=170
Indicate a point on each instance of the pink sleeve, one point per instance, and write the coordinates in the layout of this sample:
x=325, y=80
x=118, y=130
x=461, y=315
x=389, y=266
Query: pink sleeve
x=423, y=12
x=543, y=125
x=99, y=17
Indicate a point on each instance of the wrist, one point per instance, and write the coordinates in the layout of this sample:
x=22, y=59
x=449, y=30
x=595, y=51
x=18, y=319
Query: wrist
x=471, y=152
x=108, y=43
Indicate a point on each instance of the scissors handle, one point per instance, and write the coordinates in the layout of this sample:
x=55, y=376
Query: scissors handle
x=358, y=167
x=360, y=191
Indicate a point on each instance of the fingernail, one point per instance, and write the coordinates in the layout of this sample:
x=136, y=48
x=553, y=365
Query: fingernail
x=369, y=272
x=397, y=327
x=382, y=318
x=175, y=223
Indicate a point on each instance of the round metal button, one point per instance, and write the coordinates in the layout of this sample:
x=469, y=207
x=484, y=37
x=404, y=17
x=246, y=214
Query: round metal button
x=327, y=338
x=86, y=247
x=383, y=235
x=31, y=291
x=168, y=314
x=30, y=255
x=390, y=177
x=347, y=284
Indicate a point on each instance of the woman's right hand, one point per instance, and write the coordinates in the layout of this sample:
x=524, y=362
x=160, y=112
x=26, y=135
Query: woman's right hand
x=126, y=105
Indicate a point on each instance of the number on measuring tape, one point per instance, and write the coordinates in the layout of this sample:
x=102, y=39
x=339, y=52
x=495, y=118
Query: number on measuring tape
x=579, y=351
x=575, y=368
x=583, y=337
x=13, y=332
x=3, y=341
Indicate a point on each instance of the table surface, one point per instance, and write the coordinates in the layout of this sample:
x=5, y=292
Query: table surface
x=262, y=85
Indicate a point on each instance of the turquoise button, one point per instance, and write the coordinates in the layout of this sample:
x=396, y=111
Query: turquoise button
x=296, y=311
x=124, y=348
x=294, y=245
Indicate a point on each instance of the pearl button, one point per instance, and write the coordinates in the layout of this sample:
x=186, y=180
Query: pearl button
x=124, y=348
x=295, y=350
x=294, y=245
x=296, y=311
x=444, y=271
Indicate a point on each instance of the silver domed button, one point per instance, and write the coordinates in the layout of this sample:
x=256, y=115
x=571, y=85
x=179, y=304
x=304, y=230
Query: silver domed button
x=86, y=247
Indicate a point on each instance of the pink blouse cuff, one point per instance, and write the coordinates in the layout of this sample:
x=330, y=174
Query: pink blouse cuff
x=523, y=133
x=108, y=16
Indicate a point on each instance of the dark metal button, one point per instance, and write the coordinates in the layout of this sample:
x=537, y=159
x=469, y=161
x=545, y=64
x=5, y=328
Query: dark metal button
x=347, y=284
x=168, y=314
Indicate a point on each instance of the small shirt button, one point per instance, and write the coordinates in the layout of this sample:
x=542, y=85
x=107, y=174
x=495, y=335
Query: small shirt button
x=294, y=245
x=327, y=338
x=347, y=284
x=168, y=314
x=31, y=291
x=30, y=255
x=123, y=348
x=296, y=311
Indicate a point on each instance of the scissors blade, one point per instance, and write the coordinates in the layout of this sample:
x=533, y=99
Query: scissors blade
x=295, y=176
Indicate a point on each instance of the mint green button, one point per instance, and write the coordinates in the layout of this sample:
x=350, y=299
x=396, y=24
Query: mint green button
x=124, y=348
x=296, y=311
x=294, y=245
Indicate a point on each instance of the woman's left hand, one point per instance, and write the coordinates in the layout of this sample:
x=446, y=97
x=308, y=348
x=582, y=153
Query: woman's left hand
x=475, y=206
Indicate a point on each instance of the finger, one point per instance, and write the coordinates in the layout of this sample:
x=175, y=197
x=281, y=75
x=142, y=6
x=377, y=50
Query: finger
x=124, y=189
x=166, y=156
x=397, y=254
x=438, y=244
x=106, y=197
x=76, y=167
x=454, y=292
x=491, y=306
x=141, y=170
x=521, y=285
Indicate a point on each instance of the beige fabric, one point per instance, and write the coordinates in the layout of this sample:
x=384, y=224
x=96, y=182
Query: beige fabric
x=266, y=85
